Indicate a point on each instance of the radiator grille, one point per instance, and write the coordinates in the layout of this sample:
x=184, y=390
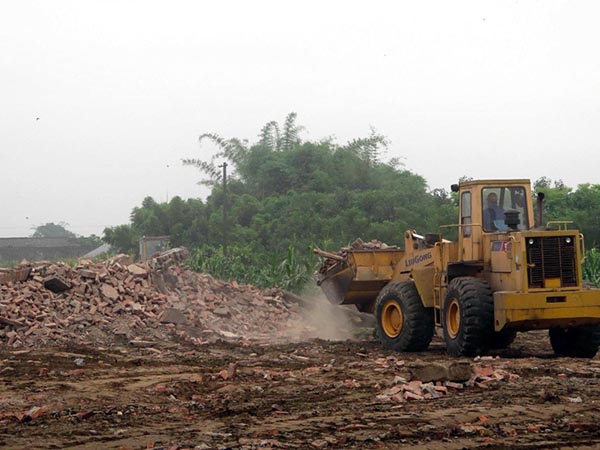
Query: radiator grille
x=551, y=258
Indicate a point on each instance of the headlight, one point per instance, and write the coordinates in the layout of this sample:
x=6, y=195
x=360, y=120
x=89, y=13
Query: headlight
x=568, y=240
x=530, y=241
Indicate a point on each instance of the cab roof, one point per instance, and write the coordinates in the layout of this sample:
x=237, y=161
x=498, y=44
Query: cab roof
x=506, y=182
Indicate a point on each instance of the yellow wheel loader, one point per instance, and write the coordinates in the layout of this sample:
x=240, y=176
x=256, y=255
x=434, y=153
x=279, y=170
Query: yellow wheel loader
x=502, y=275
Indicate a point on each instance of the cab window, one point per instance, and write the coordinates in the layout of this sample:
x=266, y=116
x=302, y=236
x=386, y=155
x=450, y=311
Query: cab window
x=465, y=213
x=496, y=201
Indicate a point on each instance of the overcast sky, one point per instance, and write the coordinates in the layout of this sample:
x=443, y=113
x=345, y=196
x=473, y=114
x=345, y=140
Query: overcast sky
x=123, y=89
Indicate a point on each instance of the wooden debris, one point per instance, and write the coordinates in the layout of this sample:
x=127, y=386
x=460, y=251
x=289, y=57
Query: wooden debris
x=328, y=255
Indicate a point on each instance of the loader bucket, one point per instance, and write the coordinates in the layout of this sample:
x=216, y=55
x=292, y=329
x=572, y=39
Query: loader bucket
x=359, y=279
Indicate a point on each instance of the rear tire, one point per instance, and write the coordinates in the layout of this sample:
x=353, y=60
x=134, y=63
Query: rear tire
x=402, y=322
x=580, y=342
x=502, y=339
x=468, y=317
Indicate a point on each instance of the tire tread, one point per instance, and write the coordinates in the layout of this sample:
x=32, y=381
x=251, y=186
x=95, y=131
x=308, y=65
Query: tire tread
x=477, y=317
x=418, y=327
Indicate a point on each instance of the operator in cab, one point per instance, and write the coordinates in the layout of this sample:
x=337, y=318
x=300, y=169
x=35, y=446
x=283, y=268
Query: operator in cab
x=493, y=215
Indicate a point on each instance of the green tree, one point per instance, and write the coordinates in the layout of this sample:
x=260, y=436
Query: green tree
x=284, y=193
x=288, y=192
x=53, y=230
x=581, y=205
x=123, y=238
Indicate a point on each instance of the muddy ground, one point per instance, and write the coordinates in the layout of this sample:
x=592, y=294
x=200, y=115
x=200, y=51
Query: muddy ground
x=314, y=394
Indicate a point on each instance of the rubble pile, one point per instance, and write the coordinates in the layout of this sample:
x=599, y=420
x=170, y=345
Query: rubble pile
x=332, y=261
x=118, y=300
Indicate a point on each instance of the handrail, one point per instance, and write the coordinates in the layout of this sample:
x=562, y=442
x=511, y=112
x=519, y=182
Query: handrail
x=561, y=224
x=460, y=225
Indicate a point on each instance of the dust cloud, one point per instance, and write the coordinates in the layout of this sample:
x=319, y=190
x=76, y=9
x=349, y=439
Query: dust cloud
x=322, y=320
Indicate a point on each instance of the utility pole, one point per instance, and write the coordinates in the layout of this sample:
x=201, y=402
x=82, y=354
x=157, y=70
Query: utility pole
x=225, y=206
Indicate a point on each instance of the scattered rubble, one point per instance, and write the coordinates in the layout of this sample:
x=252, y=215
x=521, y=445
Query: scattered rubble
x=455, y=371
x=122, y=301
x=432, y=380
x=350, y=395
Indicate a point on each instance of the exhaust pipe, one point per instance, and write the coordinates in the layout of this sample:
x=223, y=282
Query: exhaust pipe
x=540, y=202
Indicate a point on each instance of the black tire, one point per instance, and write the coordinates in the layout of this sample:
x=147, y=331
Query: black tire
x=502, y=339
x=559, y=339
x=403, y=324
x=468, y=317
x=579, y=342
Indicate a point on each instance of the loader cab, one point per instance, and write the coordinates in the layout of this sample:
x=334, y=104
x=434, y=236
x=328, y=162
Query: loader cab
x=488, y=208
x=504, y=208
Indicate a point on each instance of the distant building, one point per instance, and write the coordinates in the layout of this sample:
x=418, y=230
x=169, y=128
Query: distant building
x=36, y=249
x=151, y=245
x=104, y=248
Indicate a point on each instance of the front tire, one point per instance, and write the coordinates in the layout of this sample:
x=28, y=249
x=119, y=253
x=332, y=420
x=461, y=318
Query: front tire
x=402, y=322
x=468, y=317
x=579, y=342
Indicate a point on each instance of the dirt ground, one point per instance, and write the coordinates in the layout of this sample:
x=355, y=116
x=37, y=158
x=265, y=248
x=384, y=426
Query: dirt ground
x=314, y=394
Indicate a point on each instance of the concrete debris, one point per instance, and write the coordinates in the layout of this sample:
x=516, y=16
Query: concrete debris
x=136, y=270
x=56, y=284
x=456, y=371
x=173, y=315
x=30, y=414
x=157, y=300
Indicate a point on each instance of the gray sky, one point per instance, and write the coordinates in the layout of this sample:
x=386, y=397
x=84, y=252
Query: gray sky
x=123, y=89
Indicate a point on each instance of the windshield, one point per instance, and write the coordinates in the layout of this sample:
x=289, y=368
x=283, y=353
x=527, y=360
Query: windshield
x=497, y=200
